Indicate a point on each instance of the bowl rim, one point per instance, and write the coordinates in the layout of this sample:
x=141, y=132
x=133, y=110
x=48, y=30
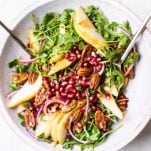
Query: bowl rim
x=3, y=111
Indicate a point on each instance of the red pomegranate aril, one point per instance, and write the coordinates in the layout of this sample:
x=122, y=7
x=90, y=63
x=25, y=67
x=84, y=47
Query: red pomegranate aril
x=53, y=90
x=78, y=56
x=68, y=86
x=71, y=82
x=107, y=96
x=57, y=87
x=52, y=84
x=64, y=83
x=63, y=94
x=82, y=109
x=70, y=95
x=95, y=100
x=49, y=93
x=94, y=108
x=61, y=89
x=57, y=93
x=98, y=59
x=91, y=98
x=77, y=94
x=85, y=64
x=72, y=90
x=89, y=58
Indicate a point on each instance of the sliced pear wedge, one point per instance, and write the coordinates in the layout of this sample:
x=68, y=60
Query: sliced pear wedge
x=60, y=65
x=61, y=131
x=111, y=89
x=111, y=104
x=33, y=42
x=55, y=122
x=27, y=92
x=57, y=58
x=87, y=31
x=44, y=126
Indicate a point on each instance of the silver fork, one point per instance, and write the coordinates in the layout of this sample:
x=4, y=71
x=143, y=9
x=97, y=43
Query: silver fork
x=16, y=38
x=127, y=51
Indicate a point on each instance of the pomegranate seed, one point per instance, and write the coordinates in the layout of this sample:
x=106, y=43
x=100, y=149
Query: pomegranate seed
x=89, y=58
x=72, y=90
x=98, y=59
x=61, y=89
x=70, y=95
x=91, y=98
x=49, y=93
x=53, y=90
x=68, y=101
x=107, y=96
x=71, y=82
x=94, y=108
x=63, y=94
x=57, y=93
x=57, y=87
x=77, y=52
x=64, y=83
x=95, y=100
x=82, y=109
x=68, y=86
x=85, y=64
x=78, y=56
x=74, y=48
x=30, y=108
x=52, y=84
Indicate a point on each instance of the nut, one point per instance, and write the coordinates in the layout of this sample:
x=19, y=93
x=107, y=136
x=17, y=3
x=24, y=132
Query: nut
x=69, y=107
x=94, y=81
x=84, y=71
x=32, y=77
x=19, y=77
x=77, y=127
x=40, y=97
x=86, y=52
x=100, y=120
x=77, y=116
x=122, y=104
x=29, y=119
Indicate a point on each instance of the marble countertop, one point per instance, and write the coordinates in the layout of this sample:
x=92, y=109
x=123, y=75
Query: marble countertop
x=9, y=9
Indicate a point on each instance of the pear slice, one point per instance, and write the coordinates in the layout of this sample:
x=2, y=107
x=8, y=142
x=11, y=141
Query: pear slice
x=27, y=92
x=55, y=122
x=57, y=58
x=60, y=65
x=62, y=127
x=111, y=89
x=87, y=31
x=111, y=104
x=44, y=126
x=33, y=42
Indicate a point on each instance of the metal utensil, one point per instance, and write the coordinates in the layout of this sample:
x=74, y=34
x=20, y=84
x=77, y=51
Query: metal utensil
x=140, y=30
x=16, y=38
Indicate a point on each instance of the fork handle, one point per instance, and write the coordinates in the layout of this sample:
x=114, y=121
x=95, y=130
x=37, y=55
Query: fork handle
x=140, y=30
x=16, y=38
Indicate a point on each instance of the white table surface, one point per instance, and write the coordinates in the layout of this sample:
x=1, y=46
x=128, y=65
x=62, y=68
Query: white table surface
x=9, y=9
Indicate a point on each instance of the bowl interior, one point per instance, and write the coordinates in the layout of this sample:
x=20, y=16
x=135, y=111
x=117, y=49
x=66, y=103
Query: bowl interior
x=137, y=91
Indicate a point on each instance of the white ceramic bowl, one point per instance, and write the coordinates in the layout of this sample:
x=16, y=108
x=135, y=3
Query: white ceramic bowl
x=138, y=90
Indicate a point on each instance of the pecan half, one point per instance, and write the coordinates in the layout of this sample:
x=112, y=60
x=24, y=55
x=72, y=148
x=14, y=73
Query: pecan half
x=84, y=71
x=32, y=77
x=86, y=52
x=29, y=119
x=94, y=81
x=77, y=116
x=19, y=77
x=100, y=120
x=69, y=107
x=122, y=104
x=40, y=97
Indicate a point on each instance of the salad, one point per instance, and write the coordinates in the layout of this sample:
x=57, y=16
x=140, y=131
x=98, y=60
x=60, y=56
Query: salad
x=70, y=91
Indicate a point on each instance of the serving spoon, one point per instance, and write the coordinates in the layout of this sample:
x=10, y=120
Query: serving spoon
x=130, y=46
x=16, y=39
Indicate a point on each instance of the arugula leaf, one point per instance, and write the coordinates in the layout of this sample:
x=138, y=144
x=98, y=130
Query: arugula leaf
x=13, y=63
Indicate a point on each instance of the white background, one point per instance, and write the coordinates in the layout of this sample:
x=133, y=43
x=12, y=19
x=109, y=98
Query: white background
x=9, y=9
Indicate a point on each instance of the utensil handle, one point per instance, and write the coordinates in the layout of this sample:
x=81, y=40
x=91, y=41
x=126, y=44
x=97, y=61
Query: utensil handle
x=16, y=38
x=140, y=30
